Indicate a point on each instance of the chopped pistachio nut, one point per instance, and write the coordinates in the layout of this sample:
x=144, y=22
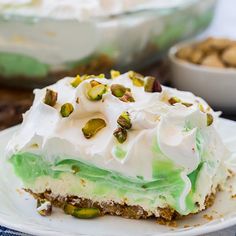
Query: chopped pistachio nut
x=149, y=84
x=92, y=127
x=44, y=207
x=100, y=76
x=138, y=79
x=124, y=120
x=82, y=213
x=157, y=86
x=86, y=213
x=201, y=108
x=114, y=73
x=95, y=93
x=210, y=119
x=127, y=97
x=174, y=100
x=94, y=83
x=187, y=104
x=75, y=169
x=69, y=208
x=118, y=90
x=50, y=97
x=76, y=81
x=66, y=109
x=120, y=134
x=152, y=85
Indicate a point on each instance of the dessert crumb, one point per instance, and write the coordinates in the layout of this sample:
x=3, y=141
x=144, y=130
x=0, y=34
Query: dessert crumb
x=186, y=226
x=196, y=225
x=172, y=223
x=208, y=217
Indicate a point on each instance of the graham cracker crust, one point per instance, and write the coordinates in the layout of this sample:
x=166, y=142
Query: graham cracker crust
x=116, y=209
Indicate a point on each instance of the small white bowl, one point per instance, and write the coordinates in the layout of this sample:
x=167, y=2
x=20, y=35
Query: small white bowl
x=217, y=86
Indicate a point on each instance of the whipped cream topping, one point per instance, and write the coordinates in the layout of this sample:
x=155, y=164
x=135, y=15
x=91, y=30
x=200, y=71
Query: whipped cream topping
x=180, y=132
x=151, y=116
x=81, y=9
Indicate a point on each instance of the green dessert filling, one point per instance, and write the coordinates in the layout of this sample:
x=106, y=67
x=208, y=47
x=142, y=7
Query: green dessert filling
x=166, y=185
x=12, y=64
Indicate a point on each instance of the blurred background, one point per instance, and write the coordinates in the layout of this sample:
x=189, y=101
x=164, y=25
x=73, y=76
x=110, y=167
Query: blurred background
x=42, y=41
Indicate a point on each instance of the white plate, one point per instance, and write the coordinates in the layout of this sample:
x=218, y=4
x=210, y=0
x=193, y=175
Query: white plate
x=17, y=209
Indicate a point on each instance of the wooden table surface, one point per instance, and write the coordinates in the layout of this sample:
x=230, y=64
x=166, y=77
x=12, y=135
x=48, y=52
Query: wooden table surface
x=13, y=102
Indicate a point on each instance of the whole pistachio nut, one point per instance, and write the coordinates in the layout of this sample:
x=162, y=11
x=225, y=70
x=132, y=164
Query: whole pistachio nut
x=50, y=97
x=174, y=100
x=120, y=134
x=76, y=81
x=124, y=120
x=92, y=127
x=127, y=97
x=114, y=73
x=118, y=90
x=210, y=119
x=95, y=93
x=66, y=109
x=138, y=79
x=44, y=207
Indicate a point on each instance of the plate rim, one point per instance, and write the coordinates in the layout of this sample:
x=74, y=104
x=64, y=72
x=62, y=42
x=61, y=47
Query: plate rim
x=200, y=230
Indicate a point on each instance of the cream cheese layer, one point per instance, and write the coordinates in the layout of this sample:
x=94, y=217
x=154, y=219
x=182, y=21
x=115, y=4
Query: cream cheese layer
x=179, y=133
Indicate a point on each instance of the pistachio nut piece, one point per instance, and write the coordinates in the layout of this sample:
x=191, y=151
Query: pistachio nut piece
x=174, y=100
x=127, y=97
x=82, y=213
x=114, y=73
x=120, y=134
x=187, y=104
x=118, y=90
x=50, y=98
x=100, y=76
x=124, y=120
x=75, y=169
x=210, y=119
x=66, y=109
x=201, y=108
x=94, y=83
x=69, y=208
x=86, y=213
x=92, y=127
x=95, y=93
x=76, y=81
x=149, y=84
x=138, y=79
x=44, y=207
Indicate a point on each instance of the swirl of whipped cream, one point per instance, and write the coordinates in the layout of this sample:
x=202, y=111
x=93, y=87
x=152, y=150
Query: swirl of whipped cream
x=152, y=117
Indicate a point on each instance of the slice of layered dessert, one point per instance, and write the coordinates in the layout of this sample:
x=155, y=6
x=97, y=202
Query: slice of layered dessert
x=122, y=146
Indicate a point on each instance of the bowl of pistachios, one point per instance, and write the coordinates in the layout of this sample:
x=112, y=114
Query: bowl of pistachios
x=208, y=69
